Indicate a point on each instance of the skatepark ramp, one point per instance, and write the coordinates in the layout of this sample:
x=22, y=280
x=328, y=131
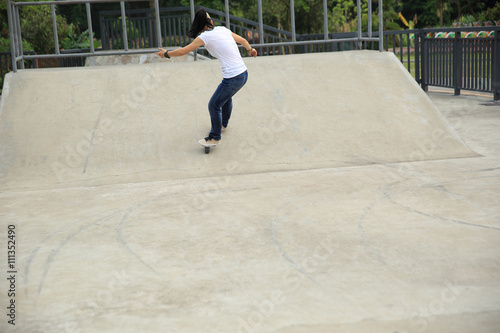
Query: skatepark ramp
x=122, y=124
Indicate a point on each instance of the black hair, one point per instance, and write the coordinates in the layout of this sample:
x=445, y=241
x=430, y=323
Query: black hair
x=200, y=21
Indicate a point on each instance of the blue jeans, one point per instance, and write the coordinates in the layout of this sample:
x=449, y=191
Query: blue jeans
x=221, y=103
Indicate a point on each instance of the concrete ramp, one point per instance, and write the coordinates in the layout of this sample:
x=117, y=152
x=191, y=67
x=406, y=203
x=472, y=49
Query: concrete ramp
x=106, y=125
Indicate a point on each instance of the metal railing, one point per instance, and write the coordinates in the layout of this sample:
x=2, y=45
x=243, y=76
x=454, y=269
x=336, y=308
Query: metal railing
x=18, y=56
x=467, y=59
x=175, y=22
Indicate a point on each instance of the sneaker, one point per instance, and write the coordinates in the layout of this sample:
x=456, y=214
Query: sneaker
x=209, y=142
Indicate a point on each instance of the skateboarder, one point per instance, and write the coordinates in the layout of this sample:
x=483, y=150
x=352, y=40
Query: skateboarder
x=221, y=43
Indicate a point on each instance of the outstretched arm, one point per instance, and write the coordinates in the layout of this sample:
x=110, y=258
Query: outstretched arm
x=196, y=43
x=240, y=40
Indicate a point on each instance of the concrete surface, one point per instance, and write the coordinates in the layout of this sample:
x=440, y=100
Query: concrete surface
x=363, y=206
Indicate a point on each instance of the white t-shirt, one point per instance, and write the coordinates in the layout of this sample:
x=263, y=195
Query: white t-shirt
x=220, y=43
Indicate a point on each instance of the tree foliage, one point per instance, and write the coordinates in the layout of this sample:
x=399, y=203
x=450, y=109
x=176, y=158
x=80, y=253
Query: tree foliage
x=3, y=18
x=433, y=13
x=37, y=28
x=493, y=14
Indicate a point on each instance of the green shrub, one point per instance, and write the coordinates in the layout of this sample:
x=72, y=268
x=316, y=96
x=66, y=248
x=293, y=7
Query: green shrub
x=36, y=26
x=493, y=14
x=75, y=40
x=5, y=45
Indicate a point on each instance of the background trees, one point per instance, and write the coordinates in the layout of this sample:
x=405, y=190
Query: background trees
x=438, y=13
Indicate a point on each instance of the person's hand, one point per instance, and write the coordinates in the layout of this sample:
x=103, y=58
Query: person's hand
x=161, y=53
x=253, y=52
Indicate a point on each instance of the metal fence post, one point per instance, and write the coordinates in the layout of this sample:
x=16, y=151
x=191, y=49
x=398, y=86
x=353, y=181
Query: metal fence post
x=19, y=39
x=54, y=27
x=369, y=19
x=417, y=57
x=425, y=61
x=380, y=26
x=124, y=26
x=228, y=25
x=325, y=19
x=292, y=17
x=457, y=62
x=13, y=54
x=89, y=23
x=496, y=67
x=104, y=37
x=191, y=7
x=158, y=28
x=359, y=25
x=261, y=23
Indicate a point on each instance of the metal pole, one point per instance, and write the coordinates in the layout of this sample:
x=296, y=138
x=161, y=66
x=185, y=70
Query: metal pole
x=495, y=80
x=380, y=26
x=457, y=62
x=124, y=26
x=369, y=18
x=417, y=58
x=15, y=20
x=19, y=40
x=359, y=24
x=13, y=54
x=89, y=24
x=292, y=18
x=54, y=27
x=104, y=38
x=191, y=5
x=261, y=23
x=425, y=60
x=158, y=28
x=325, y=18
x=227, y=15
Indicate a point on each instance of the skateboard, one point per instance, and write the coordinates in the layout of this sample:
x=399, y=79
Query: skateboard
x=207, y=149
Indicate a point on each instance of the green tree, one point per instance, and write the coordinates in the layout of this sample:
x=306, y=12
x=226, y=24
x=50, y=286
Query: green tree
x=3, y=16
x=432, y=13
x=37, y=28
x=493, y=14
x=75, y=14
x=342, y=15
x=4, y=31
x=277, y=13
